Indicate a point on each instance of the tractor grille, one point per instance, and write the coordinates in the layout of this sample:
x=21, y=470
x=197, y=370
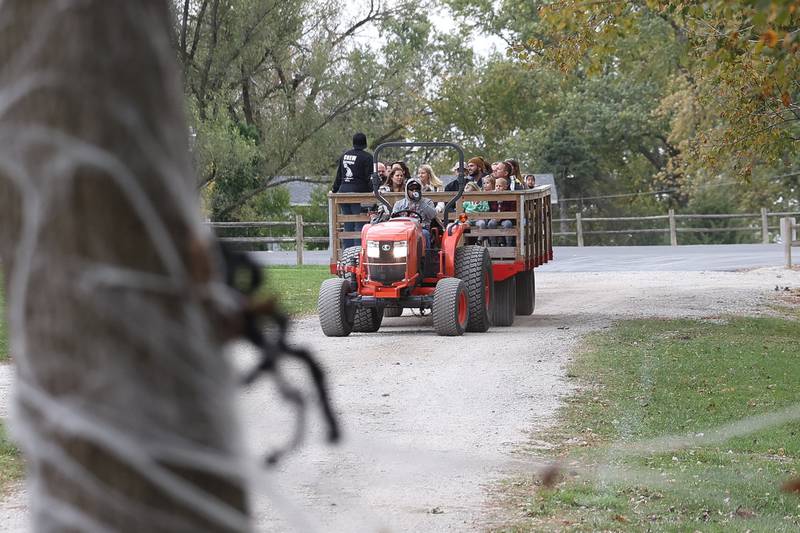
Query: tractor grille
x=387, y=268
x=387, y=274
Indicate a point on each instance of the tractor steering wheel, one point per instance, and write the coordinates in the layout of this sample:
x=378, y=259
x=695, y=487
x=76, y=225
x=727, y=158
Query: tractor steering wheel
x=407, y=213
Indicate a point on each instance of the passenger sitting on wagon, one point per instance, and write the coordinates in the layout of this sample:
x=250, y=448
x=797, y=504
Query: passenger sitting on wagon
x=474, y=172
x=515, y=175
x=414, y=202
x=501, y=185
x=395, y=183
x=530, y=181
x=473, y=208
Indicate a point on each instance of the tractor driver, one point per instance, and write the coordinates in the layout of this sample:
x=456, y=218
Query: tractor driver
x=414, y=202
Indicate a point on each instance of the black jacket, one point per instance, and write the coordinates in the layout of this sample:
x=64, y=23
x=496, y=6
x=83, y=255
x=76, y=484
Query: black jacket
x=453, y=185
x=352, y=175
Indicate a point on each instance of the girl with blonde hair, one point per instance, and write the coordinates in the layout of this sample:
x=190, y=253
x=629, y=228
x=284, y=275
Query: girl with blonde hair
x=430, y=181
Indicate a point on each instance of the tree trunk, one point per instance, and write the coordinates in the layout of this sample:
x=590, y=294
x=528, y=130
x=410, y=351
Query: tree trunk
x=123, y=403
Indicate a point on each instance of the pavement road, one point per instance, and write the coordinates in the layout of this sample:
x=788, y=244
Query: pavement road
x=695, y=258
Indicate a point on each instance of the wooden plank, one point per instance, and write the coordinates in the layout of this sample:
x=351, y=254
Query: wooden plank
x=502, y=252
x=622, y=231
x=262, y=240
x=537, y=235
x=618, y=219
x=261, y=224
x=298, y=236
x=502, y=215
x=753, y=229
x=549, y=227
x=716, y=216
x=579, y=229
x=673, y=235
x=786, y=237
x=473, y=232
x=764, y=226
x=333, y=224
x=364, y=217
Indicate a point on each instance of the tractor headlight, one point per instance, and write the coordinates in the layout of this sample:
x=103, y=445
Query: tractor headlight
x=373, y=249
x=400, y=249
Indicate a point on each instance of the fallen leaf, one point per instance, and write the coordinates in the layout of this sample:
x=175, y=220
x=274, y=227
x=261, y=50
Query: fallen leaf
x=550, y=475
x=620, y=518
x=770, y=38
x=793, y=485
x=742, y=512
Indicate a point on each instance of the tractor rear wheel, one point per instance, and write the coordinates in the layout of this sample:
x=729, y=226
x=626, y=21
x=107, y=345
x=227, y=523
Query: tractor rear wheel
x=392, y=311
x=505, y=302
x=526, y=292
x=334, y=317
x=450, y=307
x=474, y=266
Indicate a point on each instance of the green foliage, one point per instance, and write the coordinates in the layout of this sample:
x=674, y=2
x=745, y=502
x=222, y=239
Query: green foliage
x=647, y=379
x=741, y=61
x=278, y=87
x=230, y=156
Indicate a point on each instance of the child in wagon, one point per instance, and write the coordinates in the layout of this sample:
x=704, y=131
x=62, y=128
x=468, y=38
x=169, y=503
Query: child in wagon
x=472, y=208
x=501, y=185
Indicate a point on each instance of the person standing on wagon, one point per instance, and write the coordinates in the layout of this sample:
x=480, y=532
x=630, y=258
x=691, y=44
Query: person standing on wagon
x=353, y=175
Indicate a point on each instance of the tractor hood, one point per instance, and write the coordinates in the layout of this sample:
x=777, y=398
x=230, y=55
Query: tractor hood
x=397, y=229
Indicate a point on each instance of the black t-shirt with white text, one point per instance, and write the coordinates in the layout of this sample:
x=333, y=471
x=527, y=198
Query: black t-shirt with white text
x=352, y=175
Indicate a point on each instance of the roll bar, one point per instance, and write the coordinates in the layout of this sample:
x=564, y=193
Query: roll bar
x=376, y=179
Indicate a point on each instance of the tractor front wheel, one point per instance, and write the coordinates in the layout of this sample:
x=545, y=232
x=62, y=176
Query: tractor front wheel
x=334, y=317
x=450, y=307
x=350, y=257
x=505, y=302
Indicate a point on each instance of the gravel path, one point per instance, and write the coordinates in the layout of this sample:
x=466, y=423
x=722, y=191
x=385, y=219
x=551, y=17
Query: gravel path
x=432, y=422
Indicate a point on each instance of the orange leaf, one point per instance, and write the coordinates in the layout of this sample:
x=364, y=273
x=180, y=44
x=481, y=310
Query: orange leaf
x=770, y=38
x=786, y=99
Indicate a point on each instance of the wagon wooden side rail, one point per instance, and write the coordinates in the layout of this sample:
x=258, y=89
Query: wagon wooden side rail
x=532, y=223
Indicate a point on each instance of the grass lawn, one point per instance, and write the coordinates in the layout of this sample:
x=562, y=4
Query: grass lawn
x=652, y=378
x=11, y=466
x=296, y=287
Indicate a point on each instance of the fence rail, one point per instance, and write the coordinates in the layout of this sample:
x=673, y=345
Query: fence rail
x=761, y=224
x=580, y=223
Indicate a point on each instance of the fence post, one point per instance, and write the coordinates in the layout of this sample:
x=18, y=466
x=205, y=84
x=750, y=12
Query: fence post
x=764, y=226
x=673, y=229
x=579, y=229
x=298, y=238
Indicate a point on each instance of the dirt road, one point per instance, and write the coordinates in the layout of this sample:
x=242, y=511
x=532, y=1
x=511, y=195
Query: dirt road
x=433, y=422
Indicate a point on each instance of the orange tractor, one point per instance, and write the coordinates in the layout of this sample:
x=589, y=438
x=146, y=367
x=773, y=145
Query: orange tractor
x=394, y=269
